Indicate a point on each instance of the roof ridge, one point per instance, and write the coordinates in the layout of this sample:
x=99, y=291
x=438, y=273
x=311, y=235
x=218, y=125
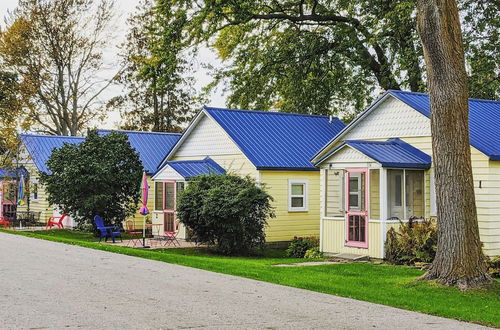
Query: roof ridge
x=52, y=136
x=269, y=112
x=427, y=94
x=136, y=132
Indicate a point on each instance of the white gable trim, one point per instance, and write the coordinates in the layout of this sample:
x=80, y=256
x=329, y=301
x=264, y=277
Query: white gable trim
x=346, y=154
x=184, y=135
x=168, y=173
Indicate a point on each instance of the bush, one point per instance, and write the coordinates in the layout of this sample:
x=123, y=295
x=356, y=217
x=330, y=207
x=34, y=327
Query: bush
x=313, y=253
x=494, y=267
x=226, y=212
x=300, y=245
x=100, y=176
x=413, y=242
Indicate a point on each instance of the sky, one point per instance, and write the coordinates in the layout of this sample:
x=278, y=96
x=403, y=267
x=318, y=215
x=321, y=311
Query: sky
x=124, y=8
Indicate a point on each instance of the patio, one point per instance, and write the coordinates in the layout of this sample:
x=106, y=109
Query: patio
x=153, y=243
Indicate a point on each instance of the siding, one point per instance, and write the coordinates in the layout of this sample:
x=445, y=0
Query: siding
x=42, y=204
x=286, y=225
x=333, y=239
x=139, y=218
x=207, y=138
x=392, y=119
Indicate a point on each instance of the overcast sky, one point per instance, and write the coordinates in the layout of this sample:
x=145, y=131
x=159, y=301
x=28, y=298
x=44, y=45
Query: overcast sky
x=124, y=8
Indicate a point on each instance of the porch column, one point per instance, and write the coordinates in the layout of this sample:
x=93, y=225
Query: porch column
x=383, y=208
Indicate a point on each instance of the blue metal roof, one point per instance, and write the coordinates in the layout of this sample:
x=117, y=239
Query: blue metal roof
x=151, y=146
x=277, y=140
x=392, y=153
x=192, y=168
x=40, y=147
x=484, y=120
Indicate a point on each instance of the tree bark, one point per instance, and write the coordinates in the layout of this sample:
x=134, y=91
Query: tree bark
x=459, y=259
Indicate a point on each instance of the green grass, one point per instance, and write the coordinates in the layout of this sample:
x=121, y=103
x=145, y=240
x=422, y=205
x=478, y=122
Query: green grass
x=383, y=284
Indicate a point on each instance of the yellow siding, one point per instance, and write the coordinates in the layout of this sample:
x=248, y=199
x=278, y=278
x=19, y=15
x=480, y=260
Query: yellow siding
x=374, y=194
x=42, y=204
x=487, y=202
x=287, y=224
x=139, y=218
x=333, y=239
x=334, y=186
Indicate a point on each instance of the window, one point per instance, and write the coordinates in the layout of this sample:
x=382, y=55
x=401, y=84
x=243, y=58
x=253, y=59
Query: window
x=34, y=189
x=297, y=195
x=158, y=196
x=405, y=190
x=180, y=187
x=354, y=191
x=165, y=193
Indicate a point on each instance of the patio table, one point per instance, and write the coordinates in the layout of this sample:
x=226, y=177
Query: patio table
x=155, y=232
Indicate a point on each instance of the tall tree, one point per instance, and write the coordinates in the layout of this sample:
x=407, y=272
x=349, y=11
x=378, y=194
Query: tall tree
x=10, y=113
x=459, y=258
x=160, y=94
x=316, y=56
x=55, y=48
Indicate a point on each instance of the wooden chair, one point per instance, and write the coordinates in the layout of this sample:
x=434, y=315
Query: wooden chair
x=56, y=221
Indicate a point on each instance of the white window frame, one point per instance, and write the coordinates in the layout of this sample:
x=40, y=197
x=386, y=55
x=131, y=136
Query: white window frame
x=356, y=175
x=32, y=193
x=304, y=208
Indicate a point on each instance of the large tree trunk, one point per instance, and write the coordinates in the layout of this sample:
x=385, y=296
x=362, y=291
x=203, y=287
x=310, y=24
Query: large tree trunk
x=459, y=260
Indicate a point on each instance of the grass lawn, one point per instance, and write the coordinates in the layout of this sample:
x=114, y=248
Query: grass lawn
x=383, y=284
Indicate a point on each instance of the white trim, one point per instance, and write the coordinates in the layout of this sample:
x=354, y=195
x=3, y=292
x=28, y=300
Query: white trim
x=333, y=218
x=383, y=209
x=32, y=184
x=305, y=196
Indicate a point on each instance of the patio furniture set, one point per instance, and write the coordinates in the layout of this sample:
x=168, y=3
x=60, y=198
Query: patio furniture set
x=21, y=220
x=138, y=238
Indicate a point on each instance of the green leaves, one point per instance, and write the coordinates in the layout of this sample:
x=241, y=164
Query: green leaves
x=160, y=96
x=100, y=176
x=225, y=211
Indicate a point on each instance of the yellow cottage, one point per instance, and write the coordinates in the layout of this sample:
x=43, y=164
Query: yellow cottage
x=274, y=148
x=36, y=150
x=378, y=171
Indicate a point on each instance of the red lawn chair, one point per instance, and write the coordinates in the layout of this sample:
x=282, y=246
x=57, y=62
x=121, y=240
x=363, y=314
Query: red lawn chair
x=56, y=221
x=6, y=223
x=170, y=237
x=135, y=235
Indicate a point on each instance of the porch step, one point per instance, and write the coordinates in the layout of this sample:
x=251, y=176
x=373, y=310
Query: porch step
x=350, y=256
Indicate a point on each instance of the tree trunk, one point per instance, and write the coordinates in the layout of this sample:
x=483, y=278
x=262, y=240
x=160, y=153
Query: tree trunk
x=459, y=259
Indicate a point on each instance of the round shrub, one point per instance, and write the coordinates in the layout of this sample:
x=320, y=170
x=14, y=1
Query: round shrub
x=299, y=246
x=313, y=253
x=226, y=212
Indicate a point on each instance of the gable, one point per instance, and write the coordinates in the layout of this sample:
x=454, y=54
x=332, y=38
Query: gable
x=347, y=155
x=206, y=139
x=390, y=119
x=168, y=173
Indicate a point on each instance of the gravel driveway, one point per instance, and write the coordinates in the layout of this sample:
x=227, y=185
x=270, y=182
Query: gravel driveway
x=47, y=285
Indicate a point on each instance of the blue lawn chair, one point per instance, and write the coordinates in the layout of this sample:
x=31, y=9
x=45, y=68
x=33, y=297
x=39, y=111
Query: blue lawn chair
x=107, y=231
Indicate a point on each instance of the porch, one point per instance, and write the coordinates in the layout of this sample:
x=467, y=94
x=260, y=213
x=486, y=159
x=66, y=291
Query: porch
x=169, y=182
x=367, y=188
